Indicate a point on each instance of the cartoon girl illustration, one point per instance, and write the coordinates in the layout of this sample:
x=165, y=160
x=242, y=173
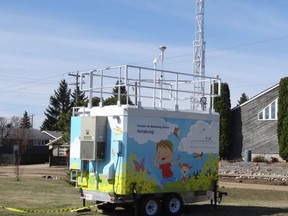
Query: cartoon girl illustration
x=184, y=168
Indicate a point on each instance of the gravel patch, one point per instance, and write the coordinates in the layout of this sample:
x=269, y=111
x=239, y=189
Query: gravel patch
x=276, y=173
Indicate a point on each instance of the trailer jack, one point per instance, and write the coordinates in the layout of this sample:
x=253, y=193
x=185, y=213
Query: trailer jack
x=220, y=194
x=134, y=196
x=82, y=196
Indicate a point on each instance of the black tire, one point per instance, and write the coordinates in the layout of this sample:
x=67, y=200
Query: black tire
x=106, y=206
x=173, y=205
x=149, y=206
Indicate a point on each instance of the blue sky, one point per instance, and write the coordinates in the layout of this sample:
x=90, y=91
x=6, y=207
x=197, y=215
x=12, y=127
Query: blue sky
x=41, y=41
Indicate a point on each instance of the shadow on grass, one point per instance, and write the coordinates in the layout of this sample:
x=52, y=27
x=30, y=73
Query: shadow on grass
x=223, y=210
x=200, y=210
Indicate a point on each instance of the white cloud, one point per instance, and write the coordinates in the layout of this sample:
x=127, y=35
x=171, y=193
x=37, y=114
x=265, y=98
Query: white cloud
x=203, y=137
x=75, y=151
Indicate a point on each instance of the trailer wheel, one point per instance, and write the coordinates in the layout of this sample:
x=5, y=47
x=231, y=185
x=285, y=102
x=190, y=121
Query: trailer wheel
x=149, y=206
x=173, y=205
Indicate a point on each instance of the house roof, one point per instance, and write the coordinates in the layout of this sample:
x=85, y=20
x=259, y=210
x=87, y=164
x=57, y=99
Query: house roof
x=55, y=138
x=57, y=141
x=256, y=96
x=53, y=134
x=33, y=134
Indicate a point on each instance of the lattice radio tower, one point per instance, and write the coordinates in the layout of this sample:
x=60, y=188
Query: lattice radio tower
x=199, y=100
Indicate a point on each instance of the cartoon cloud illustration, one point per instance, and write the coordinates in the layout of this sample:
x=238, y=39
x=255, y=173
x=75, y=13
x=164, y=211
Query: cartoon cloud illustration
x=202, y=138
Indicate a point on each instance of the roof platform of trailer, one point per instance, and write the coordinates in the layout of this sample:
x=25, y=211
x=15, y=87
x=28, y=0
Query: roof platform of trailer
x=150, y=87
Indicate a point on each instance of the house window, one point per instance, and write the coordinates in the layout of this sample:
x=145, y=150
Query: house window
x=269, y=112
x=273, y=110
x=260, y=115
x=35, y=142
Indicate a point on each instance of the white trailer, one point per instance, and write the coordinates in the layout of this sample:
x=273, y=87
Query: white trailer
x=149, y=148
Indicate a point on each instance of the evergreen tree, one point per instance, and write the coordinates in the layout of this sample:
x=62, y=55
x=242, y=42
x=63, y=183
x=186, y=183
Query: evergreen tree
x=243, y=99
x=95, y=101
x=123, y=96
x=25, y=121
x=64, y=121
x=282, y=124
x=78, y=98
x=59, y=104
x=223, y=107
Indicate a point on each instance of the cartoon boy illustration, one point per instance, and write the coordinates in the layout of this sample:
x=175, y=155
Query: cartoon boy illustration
x=164, y=152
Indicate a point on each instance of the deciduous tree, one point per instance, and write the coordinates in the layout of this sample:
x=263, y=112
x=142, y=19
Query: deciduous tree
x=5, y=129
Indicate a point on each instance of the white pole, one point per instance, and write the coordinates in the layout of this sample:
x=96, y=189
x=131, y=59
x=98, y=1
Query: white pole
x=162, y=49
x=154, y=89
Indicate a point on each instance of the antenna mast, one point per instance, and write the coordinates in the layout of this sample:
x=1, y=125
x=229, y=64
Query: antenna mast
x=199, y=58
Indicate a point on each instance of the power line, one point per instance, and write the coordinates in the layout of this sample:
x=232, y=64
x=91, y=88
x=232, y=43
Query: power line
x=190, y=55
x=40, y=80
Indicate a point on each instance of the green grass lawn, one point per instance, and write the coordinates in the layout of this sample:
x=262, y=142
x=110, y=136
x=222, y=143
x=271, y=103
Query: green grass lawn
x=38, y=194
x=45, y=194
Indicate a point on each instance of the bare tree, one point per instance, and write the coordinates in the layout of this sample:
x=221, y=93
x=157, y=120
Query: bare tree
x=22, y=137
x=5, y=129
x=11, y=133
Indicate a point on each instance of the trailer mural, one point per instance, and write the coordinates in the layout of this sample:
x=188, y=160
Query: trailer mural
x=157, y=155
x=166, y=154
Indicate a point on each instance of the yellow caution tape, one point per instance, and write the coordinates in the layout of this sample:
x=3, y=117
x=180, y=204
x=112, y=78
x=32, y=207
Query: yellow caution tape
x=46, y=211
x=13, y=209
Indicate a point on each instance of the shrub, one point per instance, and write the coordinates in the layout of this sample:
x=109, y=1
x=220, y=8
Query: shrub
x=223, y=107
x=274, y=160
x=259, y=158
x=282, y=123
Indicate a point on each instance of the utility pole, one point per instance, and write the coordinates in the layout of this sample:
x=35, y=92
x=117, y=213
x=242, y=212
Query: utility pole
x=77, y=84
x=32, y=116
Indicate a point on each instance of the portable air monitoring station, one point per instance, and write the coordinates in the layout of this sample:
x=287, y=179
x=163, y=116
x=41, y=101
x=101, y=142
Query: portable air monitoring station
x=149, y=148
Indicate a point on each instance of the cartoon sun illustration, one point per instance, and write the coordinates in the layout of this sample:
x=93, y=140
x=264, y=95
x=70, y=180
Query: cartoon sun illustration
x=118, y=130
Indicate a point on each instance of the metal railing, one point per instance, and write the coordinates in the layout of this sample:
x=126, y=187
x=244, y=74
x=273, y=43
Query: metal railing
x=147, y=87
